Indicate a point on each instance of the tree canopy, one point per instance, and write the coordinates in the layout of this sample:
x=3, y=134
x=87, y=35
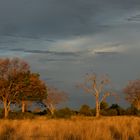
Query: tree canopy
x=132, y=92
x=18, y=83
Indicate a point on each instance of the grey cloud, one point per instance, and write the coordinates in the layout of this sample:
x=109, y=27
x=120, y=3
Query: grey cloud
x=59, y=18
x=106, y=53
x=56, y=59
x=33, y=51
x=134, y=18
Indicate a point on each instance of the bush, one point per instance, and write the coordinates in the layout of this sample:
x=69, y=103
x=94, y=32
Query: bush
x=63, y=113
x=103, y=105
x=112, y=112
x=132, y=111
x=104, y=112
x=85, y=110
x=20, y=115
x=93, y=112
x=41, y=113
x=120, y=111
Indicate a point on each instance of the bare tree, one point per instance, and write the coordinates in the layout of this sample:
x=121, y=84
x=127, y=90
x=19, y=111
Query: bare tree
x=97, y=87
x=132, y=91
x=54, y=98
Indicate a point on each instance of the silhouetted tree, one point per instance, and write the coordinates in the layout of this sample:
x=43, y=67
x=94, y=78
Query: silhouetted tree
x=120, y=110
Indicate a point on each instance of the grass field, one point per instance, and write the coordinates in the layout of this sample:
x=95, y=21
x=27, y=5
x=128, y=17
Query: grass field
x=76, y=128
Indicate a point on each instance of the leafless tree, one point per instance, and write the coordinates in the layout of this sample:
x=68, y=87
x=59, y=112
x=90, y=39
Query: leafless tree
x=54, y=98
x=97, y=87
x=132, y=91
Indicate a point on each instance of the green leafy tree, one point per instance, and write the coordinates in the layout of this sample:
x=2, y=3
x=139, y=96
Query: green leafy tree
x=33, y=89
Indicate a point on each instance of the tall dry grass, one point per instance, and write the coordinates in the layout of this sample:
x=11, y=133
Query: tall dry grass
x=77, y=128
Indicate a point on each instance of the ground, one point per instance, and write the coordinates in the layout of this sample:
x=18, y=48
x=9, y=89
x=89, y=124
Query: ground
x=76, y=128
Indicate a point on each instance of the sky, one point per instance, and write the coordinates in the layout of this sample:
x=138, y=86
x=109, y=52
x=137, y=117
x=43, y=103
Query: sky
x=65, y=39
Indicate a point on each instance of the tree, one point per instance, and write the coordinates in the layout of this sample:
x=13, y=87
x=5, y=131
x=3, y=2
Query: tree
x=96, y=87
x=119, y=110
x=85, y=110
x=33, y=89
x=10, y=69
x=103, y=105
x=132, y=92
x=18, y=83
x=54, y=97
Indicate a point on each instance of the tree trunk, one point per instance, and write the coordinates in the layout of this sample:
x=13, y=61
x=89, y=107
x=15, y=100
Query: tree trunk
x=23, y=106
x=52, y=109
x=6, y=110
x=97, y=107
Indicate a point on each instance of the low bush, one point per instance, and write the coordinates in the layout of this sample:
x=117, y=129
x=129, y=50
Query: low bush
x=20, y=115
x=63, y=113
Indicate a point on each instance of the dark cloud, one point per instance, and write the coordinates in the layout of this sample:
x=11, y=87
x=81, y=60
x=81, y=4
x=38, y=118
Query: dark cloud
x=59, y=18
x=106, y=53
x=33, y=51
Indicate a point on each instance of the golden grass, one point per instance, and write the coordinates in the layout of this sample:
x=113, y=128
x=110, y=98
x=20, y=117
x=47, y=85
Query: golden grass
x=77, y=128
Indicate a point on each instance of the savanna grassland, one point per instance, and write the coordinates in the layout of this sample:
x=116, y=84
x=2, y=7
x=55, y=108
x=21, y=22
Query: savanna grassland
x=76, y=128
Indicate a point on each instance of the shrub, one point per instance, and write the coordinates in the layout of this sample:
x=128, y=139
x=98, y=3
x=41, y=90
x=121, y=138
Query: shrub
x=132, y=111
x=120, y=111
x=103, y=105
x=20, y=115
x=63, y=113
x=112, y=112
x=85, y=110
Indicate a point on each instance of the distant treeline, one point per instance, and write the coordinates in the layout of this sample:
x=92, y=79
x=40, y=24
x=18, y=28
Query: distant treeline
x=84, y=110
x=19, y=85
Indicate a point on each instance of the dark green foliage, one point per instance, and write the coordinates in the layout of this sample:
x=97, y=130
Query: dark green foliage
x=85, y=110
x=112, y=112
x=44, y=112
x=104, y=105
x=132, y=111
x=120, y=111
x=63, y=113
x=19, y=115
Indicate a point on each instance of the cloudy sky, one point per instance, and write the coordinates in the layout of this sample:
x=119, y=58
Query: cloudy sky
x=65, y=39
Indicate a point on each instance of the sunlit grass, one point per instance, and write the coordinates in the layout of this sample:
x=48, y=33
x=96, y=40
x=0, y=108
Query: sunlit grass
x=76, y=128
